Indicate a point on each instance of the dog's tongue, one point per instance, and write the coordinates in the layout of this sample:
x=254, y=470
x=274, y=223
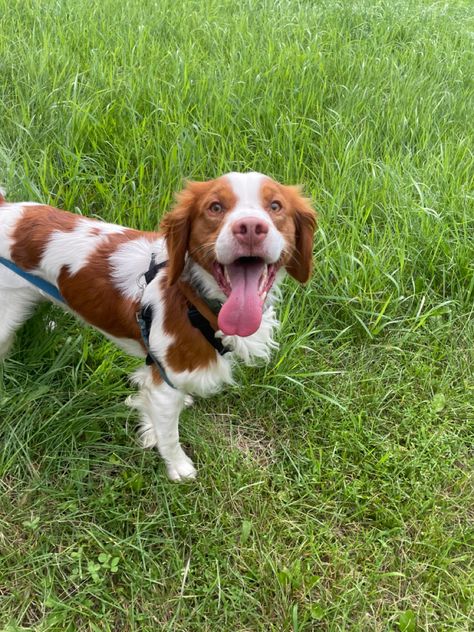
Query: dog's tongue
x=241, y=314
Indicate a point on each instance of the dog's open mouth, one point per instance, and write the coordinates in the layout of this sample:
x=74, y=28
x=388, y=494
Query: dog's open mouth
x=246, y=282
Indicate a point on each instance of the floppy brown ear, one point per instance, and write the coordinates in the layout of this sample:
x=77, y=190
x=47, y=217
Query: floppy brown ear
x=301, y=264
x=176, y=227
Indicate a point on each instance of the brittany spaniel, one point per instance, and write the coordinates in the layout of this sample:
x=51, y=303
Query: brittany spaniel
x=204, y=287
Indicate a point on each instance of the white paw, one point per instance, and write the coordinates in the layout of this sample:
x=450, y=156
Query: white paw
x=181, y=468
x=188, y=400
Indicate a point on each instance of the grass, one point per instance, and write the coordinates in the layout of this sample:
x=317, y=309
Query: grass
x=335, y=485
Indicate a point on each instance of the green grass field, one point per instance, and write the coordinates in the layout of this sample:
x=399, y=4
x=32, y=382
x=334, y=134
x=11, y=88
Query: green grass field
x=335, y=487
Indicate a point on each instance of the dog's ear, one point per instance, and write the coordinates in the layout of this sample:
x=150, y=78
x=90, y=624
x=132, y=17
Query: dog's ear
x=300, y=266
x=176, y=227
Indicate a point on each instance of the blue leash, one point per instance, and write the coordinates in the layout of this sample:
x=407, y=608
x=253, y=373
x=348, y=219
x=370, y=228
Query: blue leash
x=41, y=284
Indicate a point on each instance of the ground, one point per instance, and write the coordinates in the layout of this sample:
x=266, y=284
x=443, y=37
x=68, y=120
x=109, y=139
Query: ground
x=335, y=485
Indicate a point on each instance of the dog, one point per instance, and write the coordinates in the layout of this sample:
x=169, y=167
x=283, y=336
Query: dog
x=192, y=298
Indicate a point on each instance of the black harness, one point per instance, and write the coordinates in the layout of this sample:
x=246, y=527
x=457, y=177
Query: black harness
x=197, y=320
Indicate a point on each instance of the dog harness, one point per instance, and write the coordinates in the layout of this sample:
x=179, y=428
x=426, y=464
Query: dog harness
x=144, y=315
x=196, y=318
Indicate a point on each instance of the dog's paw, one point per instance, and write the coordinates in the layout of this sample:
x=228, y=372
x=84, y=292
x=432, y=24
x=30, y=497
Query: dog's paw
x=181, y=469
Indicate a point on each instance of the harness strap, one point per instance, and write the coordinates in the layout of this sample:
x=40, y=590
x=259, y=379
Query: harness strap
x=198, y=304
x=153, y=270
x=145, y=317
x=41, y=284
x=200, y=322
x=202, y=317
x=200, y=314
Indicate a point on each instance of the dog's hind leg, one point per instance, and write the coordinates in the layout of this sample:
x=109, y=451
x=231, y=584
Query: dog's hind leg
x=16, y=305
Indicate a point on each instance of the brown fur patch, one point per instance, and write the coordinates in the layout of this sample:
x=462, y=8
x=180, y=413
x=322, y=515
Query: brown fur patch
x=206, y=226
x=190, y=227
x=33, y=231
x=91, y=293
x=305, y=219
x=297, y=222
x=190, y=350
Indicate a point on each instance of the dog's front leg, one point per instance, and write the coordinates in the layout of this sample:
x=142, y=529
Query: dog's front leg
x=160, y=407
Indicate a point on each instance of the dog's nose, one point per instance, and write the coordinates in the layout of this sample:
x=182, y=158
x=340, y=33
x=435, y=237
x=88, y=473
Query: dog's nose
x=250, y=231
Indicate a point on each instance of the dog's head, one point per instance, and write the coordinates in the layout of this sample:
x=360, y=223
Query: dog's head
x=242, y=228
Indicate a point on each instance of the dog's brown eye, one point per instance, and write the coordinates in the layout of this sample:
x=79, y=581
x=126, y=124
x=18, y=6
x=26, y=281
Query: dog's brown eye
x=275, y=206
x=216, y=207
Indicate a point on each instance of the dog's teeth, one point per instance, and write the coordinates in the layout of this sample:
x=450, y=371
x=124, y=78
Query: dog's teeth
x=226, y=275
x=263, y=279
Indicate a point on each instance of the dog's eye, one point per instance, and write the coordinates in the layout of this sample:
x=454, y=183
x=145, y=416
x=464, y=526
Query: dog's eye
x=275, y=206
x=216, y=207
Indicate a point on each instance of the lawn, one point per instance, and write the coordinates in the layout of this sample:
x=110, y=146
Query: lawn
x=335, y=487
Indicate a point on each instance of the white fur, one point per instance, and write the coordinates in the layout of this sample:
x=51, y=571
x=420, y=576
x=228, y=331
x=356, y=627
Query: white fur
x=131, y=260
x=16, y=305
x=257, y=347
x=132, y=347
x=73, y=248
x=10, y=214
x=247, y=189
x=202, y=382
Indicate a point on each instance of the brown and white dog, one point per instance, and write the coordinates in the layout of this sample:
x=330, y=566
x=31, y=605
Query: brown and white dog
x=230, y=240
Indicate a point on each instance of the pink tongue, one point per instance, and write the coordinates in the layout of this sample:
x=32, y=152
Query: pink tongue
x=241, y=314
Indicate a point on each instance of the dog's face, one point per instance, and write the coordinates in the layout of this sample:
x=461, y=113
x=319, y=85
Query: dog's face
x=241, y=228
